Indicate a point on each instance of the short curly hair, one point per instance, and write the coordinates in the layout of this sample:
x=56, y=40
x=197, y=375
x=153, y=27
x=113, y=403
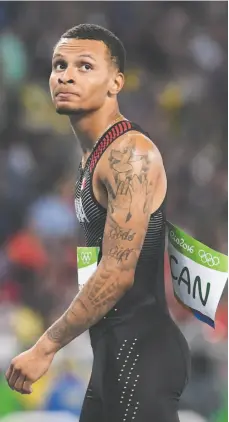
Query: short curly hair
x=95, y=32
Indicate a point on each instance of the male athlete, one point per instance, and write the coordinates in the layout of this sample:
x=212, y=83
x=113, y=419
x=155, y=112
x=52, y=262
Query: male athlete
x=141, y=359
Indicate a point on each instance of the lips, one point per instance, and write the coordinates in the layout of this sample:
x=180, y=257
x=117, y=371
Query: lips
x=65, y=94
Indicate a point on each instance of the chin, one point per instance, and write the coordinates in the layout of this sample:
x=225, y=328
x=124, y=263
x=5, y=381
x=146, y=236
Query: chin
x=68, y=111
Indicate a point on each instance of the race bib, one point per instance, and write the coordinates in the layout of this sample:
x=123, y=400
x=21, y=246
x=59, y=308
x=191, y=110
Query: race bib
x=199, y=274
x=87, y=259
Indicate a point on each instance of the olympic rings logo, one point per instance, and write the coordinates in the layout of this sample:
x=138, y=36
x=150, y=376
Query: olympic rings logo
x=86, y=257
x=207, y=258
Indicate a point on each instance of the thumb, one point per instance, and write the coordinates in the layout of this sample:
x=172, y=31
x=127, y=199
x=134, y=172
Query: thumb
x=27, y=387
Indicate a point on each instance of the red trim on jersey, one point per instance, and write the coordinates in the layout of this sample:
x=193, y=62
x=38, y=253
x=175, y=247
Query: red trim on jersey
x=114, y=132
x=120, y=128
x=124, y=126
x=117, y=130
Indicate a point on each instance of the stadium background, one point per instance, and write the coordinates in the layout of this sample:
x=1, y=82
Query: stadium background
x=176, y=88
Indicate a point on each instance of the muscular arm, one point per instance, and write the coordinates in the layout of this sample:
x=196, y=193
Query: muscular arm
x=129, y=176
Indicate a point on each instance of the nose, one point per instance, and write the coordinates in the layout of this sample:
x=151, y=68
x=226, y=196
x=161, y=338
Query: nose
x=66, y=77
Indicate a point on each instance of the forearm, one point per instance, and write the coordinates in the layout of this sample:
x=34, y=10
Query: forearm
x=102, y=291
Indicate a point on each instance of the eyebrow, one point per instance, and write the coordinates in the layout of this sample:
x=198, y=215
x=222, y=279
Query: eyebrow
x=81, y=55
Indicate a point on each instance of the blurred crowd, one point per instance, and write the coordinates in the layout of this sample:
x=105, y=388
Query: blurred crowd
x=176, y=89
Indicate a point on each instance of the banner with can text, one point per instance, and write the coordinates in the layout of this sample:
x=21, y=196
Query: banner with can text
x=199, y=274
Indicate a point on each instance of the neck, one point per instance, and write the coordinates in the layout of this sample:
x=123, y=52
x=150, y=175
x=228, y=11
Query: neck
x=90, y=127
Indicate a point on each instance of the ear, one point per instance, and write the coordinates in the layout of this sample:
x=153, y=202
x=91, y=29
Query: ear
x=116, y=83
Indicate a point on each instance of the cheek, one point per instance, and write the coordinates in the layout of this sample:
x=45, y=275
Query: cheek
x=97, y=85
x=52, y=83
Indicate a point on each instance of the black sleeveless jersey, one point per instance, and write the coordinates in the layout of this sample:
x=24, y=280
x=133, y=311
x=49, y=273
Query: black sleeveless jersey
x=148, y=287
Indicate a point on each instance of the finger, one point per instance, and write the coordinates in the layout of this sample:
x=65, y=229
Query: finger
x=27, y=387
x=9, y=372
x=18, y=386
x=120, y=188
x=126, y=186
x=135, y=183
x=13, y=378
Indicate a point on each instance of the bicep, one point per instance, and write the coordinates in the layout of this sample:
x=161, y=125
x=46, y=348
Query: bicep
x=130, y=188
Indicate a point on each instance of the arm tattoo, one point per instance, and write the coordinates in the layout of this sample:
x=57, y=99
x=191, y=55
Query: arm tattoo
x=129, y=182
x=129, y=189
x=118, y=233
x=98, y=296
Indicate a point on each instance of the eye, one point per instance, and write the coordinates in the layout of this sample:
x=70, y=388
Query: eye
x=59, y=65
x=85, y=67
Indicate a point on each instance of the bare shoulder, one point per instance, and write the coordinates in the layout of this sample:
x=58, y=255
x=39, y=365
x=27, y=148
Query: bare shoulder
x=133, y=149
x=132, y=169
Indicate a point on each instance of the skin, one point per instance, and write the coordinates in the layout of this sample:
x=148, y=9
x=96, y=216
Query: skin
x=129, y=181
x=85, y=68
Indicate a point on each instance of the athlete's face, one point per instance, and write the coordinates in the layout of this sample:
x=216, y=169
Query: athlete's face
x=83, y=76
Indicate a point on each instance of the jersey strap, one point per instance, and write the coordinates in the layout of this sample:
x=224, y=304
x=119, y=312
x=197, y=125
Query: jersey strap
x=118, y=129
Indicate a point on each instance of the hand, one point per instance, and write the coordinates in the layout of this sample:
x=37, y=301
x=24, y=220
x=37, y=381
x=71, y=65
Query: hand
x=27, y=368
x=139, y=188
x=122, y=198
